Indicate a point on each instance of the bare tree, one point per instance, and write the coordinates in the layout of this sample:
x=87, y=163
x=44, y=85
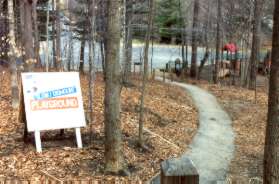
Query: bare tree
x=114, y=162
x=28, y=40
x=193, y=71
x=81, y=56
x=54, y=55
x=218, y=41
x=128, y=42
x=271, y=157
x=255, y=43
x=58, y=37
x=36, y=32
x=13, y=67
x=145, y=72
x=70, y=43
x=47, y=37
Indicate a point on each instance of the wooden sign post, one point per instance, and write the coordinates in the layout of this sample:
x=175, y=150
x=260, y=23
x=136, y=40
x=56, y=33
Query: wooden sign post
x=181, y=171
x=53, y=101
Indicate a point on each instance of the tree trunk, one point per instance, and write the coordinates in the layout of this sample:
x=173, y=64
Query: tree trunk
x=58, y=37
x=113, y=136
x=255, y=43
x=182, y=36
x=70, y=46
x=21, y=14
x=185, y=65
x=28, y=48
x=3, y=30
x=91, y=85
x=203, y=61
x=206, y=39
x=13, y=67
x=36, y=33
x=145, y=72
x=218, y=42
x=271, y=156
x=29, y=59
x=128, y=42
x=54, y=55
x=47, y=38
x=102, y=47
x=193, y=71
x=92, y=19
x=81, y=58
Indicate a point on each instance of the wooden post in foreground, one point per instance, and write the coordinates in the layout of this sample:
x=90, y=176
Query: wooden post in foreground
x=180, y=171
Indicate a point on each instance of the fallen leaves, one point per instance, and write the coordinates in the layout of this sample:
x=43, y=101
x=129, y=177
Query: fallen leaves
x=171, y=115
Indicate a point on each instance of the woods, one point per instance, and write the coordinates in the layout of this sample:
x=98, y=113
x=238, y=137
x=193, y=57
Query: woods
x=140, y=71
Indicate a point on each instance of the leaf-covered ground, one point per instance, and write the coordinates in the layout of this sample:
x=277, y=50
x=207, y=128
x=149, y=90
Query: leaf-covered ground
x=169, y=113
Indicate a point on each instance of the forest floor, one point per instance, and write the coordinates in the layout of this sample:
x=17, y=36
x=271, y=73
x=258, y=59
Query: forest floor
x=249, y=122
x=170, y=116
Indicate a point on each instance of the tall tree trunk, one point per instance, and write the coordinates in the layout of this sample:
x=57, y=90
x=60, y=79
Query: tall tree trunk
x=182, y=34
x=47, y=38
x=58, y=37
x=271, y=156
x=206, y=39
x=218, y=42
x=113, y=136
x=145, y=72
x=54, y=55
x=81, y=56
x=186, y=51
x=255, y=43
x=28, y=48
x=92, y=19
x=193, y=71
x=21, y=26
x=128, y=42
x=3, y=30
x=70, y=46
x=36, y=33
x=102, y=47
x=28, y=40
x=203, y=61
x=13, y=67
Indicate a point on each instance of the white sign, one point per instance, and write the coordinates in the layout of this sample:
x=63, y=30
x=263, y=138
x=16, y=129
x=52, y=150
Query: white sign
x=53, y=101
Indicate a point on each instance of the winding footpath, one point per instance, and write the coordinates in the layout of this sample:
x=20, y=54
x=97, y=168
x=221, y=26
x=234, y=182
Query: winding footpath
x=212, y=148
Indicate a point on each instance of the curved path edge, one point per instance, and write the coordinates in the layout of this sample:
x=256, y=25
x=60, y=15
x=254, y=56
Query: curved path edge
x=212, y=148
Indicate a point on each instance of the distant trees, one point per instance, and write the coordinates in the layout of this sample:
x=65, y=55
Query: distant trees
x=271, y=156
x=81, y=28
x=169, y=20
